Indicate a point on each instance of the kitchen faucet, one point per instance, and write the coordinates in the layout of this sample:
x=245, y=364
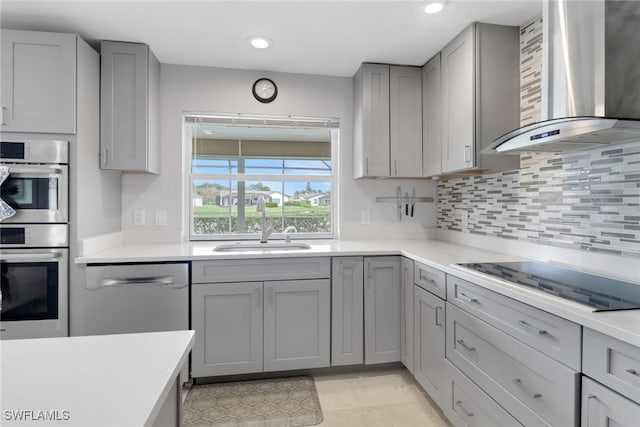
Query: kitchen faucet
x=265, y=230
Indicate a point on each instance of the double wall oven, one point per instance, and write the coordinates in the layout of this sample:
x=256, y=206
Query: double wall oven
x=34, y=243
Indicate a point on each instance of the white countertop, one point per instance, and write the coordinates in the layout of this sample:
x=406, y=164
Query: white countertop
x=103, y=380
x=623, y=325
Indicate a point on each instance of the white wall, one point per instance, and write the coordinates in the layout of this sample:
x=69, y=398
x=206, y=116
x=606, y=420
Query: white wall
x=203, y=89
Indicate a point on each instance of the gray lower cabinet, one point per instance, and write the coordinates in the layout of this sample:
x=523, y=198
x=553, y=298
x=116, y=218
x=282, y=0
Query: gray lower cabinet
x=38, y=82
x=347, y=299
x=227, y=318
x=296, y=324
x=531, y=386
x=244, y=325
x=248, y=327
x=429, y=312
x=406, y=320
x=602, y=407
x=614, y=363
x=466, y=405
x=382, y=309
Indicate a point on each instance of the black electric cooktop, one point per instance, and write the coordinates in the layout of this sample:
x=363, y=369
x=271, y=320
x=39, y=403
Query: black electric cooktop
x=601, y=293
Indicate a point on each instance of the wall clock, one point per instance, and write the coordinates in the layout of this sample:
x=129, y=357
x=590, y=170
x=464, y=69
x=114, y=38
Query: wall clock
x=265, y=90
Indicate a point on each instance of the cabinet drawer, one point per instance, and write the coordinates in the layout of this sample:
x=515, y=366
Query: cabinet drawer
x=549, y=334
x=534, y=388
x=245, y=270
x=467, y=405
x=602, y=407
x=612, y=362
x=430, y=279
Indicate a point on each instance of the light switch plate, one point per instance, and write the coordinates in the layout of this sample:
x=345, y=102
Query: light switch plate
x=161, y=217
x=139, y=217
x=365, y=217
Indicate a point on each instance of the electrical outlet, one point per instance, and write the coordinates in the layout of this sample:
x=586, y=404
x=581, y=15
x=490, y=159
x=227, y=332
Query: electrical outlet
x=365, y=217
x=464, y=218
x=161, y=217
x=139, y=217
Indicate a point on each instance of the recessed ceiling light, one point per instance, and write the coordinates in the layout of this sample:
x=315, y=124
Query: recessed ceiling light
x=433, y=7
x=260, y=42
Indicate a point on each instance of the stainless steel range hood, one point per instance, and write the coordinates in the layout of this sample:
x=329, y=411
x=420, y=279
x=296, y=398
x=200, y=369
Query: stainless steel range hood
x=590, y=78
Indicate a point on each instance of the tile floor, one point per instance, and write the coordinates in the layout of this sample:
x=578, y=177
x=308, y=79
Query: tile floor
x=381, y=398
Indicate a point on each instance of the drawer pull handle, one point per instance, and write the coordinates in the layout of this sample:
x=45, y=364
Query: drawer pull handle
x=438, y=310
x=467, y=413
x=588, y=417
x=530, y=329
x=466, y=298
x=465, y=346
x=519, y=383
x=424, y=276
x=633, y=372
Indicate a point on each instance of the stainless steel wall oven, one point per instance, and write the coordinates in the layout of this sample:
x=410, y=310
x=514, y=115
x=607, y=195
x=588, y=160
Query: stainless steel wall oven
x=34, y=244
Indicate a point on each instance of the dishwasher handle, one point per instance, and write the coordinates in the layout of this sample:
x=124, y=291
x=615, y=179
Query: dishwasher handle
x=129, y=281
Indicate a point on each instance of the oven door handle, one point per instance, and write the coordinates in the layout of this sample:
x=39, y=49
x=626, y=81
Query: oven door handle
x=46, y=170
x=35, y=257
x=163, y=280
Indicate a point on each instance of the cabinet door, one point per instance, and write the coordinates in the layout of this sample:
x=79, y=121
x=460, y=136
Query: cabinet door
x=430, y=343
x=405, y=126
x=38, y=82
x=432, y=117
x=382, y=310
x=601, y=407
x=227, y=318
x=347, y=329
x=296, y=324
x=458, y=99
x=125, y=85
x=406, y=320
x=372, y=111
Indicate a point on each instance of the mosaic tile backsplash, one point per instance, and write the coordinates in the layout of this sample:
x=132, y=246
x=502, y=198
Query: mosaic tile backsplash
x=587, y=200
x=530, y=72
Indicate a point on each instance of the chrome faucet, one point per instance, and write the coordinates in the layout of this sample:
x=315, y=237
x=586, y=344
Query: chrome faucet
x=265, y=230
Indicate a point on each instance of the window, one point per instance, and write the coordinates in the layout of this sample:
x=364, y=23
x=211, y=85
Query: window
x=236, y=160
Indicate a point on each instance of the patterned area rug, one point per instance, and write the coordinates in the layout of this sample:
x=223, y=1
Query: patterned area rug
x=280, y=402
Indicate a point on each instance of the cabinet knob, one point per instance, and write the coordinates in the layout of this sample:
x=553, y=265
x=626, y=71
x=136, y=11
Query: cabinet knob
x=4, y=116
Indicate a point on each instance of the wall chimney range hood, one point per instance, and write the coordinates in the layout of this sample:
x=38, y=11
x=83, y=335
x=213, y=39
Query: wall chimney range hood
x=590, y=78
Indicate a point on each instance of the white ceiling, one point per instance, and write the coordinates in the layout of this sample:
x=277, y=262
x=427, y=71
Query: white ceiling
x=310, y=37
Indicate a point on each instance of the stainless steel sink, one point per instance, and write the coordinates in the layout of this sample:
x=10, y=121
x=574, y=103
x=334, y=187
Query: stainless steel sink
x=262, y=247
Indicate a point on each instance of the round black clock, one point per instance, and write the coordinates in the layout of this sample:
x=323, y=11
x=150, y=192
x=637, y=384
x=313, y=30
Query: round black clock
x=265, y=90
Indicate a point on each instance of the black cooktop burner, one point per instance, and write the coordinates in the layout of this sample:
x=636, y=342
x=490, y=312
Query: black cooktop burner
x=601, y=293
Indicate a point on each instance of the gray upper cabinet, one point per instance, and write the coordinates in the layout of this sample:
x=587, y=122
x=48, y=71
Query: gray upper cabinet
x=382, y=309
x=405, y=127
x=38, y=82
x=432, y=117
x=371, y=116
x=296, y=324
x=129, y=107
x=347, y=299
x=480, y=97
x=387, y=121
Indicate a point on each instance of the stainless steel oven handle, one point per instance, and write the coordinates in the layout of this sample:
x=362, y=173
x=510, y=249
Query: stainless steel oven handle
x=35, y=257
x=154, y=280
x=34, y=170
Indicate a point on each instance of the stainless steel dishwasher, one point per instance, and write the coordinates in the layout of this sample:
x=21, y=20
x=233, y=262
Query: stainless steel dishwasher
x=122, y=299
